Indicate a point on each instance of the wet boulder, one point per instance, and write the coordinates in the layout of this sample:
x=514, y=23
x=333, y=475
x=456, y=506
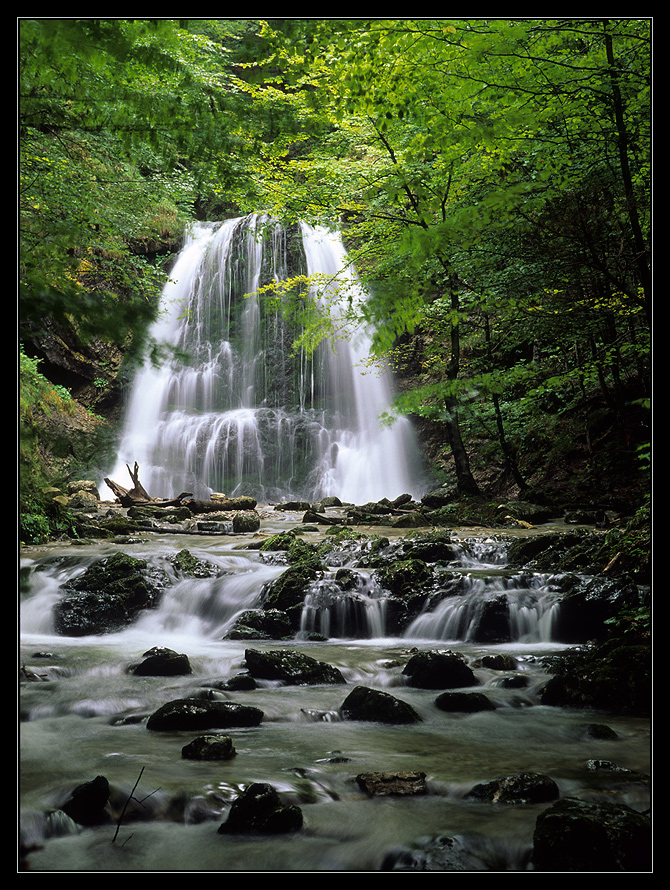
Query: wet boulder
x=87, y=803
x=189, y=566
x=586, y=606
x=195, y=714
x=404, y=576
x=432, y=549
x=499, y=662
x=108, y=596
x=464, y=702
x=287, y=592
x=246, y=522
x=385, y=784
x=494, y=622
x=161, y=662
x=264, y=624
x=209, y=747
x=291, y=667
x=613, y=676
x=525, y=511
x=523, y=788
x=439, y=497
x=411, y=519
x=372, y=705
x=577, y=836
x=259, y=810
x=438, y=670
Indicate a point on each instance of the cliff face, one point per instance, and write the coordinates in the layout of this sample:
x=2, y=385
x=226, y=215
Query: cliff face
x=90, y=372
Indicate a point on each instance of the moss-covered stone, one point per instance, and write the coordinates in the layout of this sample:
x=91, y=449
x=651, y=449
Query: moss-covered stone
x=291, y=667
x=107, y=596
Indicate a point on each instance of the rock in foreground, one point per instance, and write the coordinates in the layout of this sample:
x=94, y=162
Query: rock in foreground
x=573, y=835
x=192, y=714
x=259, y=810
x=372, y=705
x=291, y=667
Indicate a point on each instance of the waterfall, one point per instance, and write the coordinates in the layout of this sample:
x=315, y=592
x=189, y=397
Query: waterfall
x=235, y=407
x=489, y=609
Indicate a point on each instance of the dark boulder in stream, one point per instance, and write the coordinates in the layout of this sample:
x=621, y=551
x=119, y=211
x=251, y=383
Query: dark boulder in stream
x=192, y=714
x=161, y=662
x=524, y=788
x=291, y=667
x=108, y=596
x=209, y=747
x=392, y=783
x=464, y=702
x=259, y=810
x=372, y=705
x=438, y=670
x=574, y=835
x=87, y=803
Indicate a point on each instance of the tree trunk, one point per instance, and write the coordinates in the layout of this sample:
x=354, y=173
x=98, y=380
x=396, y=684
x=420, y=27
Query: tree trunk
x=464, y=478
x=136, y=496
x=510, y=460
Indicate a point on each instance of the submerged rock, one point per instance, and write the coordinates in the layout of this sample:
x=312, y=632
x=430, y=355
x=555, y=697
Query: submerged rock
x=392, y=783
x=259, y=809
x=524, y=788
x=372, y=705
x=209, y=747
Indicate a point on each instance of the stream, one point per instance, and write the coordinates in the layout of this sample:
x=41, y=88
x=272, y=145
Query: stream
x=87, y=717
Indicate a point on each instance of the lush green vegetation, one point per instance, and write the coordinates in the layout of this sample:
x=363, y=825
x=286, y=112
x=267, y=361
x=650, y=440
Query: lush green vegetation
x=492, y=178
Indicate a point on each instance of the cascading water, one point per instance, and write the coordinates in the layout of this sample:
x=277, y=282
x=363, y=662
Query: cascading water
x=236, y=409
x=82, y=689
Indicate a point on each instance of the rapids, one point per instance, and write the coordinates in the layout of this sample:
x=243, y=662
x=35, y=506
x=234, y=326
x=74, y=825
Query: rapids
x=86, y=716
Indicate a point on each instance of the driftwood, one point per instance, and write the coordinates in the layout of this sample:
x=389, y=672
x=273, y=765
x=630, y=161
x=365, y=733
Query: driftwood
x=136, y=496
x=221, y=505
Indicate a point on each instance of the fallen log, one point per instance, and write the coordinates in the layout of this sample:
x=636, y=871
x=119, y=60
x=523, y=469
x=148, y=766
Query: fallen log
x=136, y=496
x=220, y=505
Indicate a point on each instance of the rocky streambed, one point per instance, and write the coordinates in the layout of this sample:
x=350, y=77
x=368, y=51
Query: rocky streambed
x=274, y=691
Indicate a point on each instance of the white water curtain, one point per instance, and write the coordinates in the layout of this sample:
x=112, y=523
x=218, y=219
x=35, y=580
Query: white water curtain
x=240, y=413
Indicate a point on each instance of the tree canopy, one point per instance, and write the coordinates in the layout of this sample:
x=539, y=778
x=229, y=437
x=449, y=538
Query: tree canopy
x=492, y=178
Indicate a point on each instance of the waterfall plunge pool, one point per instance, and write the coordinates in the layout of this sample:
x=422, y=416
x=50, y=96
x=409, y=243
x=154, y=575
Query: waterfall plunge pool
x=86, y=717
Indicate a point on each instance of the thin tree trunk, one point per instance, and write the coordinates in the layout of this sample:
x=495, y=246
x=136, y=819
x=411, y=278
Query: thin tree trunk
x=465, y=480
x=508, y=454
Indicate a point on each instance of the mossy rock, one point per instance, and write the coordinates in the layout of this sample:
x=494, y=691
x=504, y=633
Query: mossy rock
x=190, y=566
x=288, y=590
x=108, y=596
x=291, y=667
x=404, y=576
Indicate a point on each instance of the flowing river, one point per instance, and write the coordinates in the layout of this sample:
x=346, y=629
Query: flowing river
x=86, y=716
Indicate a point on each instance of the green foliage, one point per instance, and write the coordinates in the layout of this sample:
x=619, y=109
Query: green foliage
x=492, y=177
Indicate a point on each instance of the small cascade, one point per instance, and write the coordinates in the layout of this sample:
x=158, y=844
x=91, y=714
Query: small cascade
x=235, y=407
x=491, y=609
x=344, y=614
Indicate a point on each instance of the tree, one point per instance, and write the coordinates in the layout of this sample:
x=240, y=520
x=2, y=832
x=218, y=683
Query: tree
x=499, y=161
